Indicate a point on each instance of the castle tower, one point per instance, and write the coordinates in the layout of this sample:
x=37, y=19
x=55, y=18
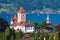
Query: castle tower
x=14, y=19
x=21, y=15
x=47, y=20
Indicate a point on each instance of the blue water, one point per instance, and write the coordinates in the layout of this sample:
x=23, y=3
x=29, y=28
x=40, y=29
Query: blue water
x=54, y=18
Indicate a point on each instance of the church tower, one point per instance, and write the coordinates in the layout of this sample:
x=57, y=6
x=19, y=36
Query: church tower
x=21, y=15
x=47, y=20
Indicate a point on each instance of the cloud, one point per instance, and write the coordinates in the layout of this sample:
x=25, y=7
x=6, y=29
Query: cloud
x=4, y=10
x=2, y=4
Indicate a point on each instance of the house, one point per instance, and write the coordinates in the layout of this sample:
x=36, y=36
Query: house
x=19, y=22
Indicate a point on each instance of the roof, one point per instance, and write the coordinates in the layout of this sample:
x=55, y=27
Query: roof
x=22, y=24
x=14, y=18
x=21, y=10
x=57, y=25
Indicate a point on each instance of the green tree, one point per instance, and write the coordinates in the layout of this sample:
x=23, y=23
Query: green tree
x=41, y=36
x=58, y=28
x=12, y=38
x=7, y=32
x=19, y=35
x=12, y=34
x=36, y=24
x=56, y=36
x=51, y=36
x=43, y=25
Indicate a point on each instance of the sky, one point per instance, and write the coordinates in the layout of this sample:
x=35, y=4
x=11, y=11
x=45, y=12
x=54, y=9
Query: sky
x=28, y=5
x=54, y=18
x=12, y=6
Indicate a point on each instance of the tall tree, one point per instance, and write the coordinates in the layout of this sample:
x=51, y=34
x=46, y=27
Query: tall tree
x=43, y=25
x=7, y=32
x=12, y=34
x=19, y=35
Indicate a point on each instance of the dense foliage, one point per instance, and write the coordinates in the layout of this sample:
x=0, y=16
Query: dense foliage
x=10, y=34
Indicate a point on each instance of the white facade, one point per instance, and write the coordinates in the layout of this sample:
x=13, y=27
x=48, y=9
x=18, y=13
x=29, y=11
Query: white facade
x=24, y=29
x=29, y=29
x=21, y=17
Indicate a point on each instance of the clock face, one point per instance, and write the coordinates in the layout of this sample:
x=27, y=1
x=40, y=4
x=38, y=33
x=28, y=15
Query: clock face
x=3, y=24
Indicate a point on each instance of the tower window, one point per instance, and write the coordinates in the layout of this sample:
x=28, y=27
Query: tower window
x=23, y=15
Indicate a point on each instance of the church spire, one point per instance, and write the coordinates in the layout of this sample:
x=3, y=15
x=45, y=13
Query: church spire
x=47, y=17
x=47, y=20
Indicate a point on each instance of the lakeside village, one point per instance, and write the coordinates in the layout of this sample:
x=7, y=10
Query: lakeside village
x=25, y=30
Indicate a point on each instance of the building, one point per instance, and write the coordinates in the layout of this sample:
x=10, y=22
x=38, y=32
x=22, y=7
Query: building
x=49, y=25
x=19, y=22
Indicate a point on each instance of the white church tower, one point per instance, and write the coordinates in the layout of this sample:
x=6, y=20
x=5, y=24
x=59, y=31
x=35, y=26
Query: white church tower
x=47, y=20
x=21, y=15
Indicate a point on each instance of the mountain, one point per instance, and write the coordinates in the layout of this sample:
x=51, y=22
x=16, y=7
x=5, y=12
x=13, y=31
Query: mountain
x=14, y=5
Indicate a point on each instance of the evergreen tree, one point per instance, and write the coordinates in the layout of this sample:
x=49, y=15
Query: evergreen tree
x=19, y=35
x=12, y=34
x=7, y=32
x=43, y=25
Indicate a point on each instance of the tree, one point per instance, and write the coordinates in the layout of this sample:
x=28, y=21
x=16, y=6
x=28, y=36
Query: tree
x=36, y=24
x=12, y=34
x=2, y=35
x=12, y=38
x=51, y=36
x=58, y=28
x=56, y=36
x=19, y=35
x=7, y=32
x=43, y=25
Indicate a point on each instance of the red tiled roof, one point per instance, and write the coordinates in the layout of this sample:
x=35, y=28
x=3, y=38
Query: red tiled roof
x=14, y=18
x=27, y=24
x=22, y=24
x=21, y=10
x=57, y=25
x=14, y=24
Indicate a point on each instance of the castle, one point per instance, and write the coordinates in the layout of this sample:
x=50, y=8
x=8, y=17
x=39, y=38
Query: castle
x=19, y=22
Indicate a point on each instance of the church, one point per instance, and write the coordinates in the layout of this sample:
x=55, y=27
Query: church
x=19, y=22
